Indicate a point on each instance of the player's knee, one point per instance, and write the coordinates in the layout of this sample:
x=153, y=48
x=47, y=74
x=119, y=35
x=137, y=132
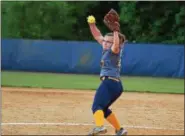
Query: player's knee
x=95, y=107
x=107, y=112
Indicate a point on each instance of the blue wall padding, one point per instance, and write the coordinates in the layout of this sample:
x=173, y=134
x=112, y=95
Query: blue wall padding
x=84, y=57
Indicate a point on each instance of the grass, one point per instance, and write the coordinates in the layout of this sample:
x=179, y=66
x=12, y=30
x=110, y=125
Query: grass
x=89, y=82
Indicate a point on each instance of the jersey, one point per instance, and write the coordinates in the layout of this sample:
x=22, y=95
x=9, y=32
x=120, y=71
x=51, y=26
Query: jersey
x=111, y=63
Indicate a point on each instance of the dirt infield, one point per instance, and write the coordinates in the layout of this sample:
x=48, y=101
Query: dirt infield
x=60, y=112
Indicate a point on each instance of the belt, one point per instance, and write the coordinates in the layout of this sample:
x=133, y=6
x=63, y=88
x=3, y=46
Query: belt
x=112, y=78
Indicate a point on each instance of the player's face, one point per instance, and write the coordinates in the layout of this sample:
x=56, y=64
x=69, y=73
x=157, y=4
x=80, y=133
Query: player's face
x=107, y=42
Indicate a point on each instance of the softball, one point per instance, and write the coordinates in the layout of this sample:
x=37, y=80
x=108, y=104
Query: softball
x=91, y=19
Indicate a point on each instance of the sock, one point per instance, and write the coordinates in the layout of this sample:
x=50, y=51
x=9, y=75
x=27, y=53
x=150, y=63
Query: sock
x=99, y=118
x=113, y=121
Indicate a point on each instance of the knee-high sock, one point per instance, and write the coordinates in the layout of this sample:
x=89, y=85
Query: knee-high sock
x=99, y=118
x=113, y=121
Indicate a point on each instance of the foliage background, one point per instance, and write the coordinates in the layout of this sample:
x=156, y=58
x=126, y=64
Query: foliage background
x=141, y=22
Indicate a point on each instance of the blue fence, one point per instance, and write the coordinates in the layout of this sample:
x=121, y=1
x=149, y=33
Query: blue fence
x=84, y=57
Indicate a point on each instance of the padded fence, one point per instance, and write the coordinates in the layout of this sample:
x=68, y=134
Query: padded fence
x=84, y=57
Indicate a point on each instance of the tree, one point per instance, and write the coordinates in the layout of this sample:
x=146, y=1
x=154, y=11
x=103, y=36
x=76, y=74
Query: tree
x=148, y=22
x=154, y=22
x=42, y=20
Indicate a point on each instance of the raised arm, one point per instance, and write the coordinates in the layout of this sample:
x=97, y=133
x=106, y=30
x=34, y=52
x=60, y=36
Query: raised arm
x=116, y=42
x=111, y=20
x=94, y=30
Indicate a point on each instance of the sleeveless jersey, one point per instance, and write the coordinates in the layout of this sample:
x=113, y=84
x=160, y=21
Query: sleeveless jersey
x=111, y=63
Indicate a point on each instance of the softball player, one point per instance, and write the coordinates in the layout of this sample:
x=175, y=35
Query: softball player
x=111, y=87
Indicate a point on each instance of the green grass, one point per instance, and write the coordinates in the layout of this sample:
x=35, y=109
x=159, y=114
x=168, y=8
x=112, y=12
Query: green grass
x=89, y=82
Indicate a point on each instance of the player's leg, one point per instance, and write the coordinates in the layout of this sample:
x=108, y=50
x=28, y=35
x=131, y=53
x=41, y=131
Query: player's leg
x=98, y=104
x=101, y=100
x=111, y=118
x=115, y=89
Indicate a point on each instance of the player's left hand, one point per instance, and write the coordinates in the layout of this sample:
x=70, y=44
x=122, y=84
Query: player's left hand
x=111, y=20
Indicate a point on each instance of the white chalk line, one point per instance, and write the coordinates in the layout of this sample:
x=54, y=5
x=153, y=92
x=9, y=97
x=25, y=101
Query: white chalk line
x=84, y=124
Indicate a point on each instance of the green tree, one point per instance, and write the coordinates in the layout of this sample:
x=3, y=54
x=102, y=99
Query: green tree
x=11, y=20
x=154, y=22
x=148, y=22
x=42, y=20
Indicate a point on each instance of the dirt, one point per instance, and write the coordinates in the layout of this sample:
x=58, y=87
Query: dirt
x=69, y=111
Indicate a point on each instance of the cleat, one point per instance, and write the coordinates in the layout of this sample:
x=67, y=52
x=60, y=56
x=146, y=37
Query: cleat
x=121, y=132
x=98, y=130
